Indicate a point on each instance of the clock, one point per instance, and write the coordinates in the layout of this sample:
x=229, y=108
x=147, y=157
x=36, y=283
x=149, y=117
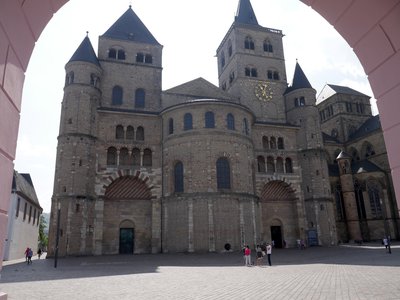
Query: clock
x=263, y=91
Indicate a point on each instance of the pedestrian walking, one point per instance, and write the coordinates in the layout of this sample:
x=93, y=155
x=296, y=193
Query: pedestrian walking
x=259, y=255
x=30, y=253
x=39, y=253
x=269, y=252
x=247, y=255
x=26, y=253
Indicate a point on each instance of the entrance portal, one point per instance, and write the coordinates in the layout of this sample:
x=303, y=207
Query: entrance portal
x=126, y=241
x=276, y=236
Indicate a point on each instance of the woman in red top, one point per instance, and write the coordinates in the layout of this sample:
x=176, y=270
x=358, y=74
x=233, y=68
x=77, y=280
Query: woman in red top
x=247, y=255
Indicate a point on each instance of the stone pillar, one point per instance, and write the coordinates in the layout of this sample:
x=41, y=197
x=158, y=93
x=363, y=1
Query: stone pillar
x=156, y=226
x=349, y=197
x=190, y=226
x=211, y=229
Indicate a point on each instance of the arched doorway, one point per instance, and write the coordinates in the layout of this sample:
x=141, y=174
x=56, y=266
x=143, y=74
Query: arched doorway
x=126, y=237
x=371, y=28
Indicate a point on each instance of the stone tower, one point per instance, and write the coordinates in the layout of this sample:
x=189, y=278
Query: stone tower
x=301, y=111
x=251, y=65
x=76, y=151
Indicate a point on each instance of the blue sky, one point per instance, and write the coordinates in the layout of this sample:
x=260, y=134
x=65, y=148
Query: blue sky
x=190, y=32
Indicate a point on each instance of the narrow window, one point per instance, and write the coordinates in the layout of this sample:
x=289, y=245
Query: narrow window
x=30, y=213
x=247, y=72
x=119, y=132
x=209, y=120
x=269, y=74
x=265, y=143
x=375, y=202
x=230, y=122
x=270, y=165
x=121, y=54
x=112, y=53
x=223, y=174
x=147, y=158
x=112, y=156
x=117, y=95
x=276, y=76
x=268, y=46
x=140, y=96
x=135, y=157
x=130, y=133
x=178, y=177
x=230, y=48
x=339, y=203
x=140, y=134
x=261, y=164
x=187, y=121
x=302, y=101
x=280, y=143
x=34, y=216
x=249, y=43
x=140, y=57
x=254, y=72
x=245, y=127
x=279, y=165
x=123, y=157
x=171, y=126
x=288, y=165
x=25, y=209
x=272, y=143
x=17, y=209
x=148, y=59
x=222, y=59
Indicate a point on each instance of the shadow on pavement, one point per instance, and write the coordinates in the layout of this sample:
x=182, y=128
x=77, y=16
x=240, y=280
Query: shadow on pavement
x=113, y=265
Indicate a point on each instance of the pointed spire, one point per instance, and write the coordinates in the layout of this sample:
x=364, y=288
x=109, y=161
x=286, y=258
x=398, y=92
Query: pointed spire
x=300, y=80
x=130, y=27
x=85, y=52
x=245, y=13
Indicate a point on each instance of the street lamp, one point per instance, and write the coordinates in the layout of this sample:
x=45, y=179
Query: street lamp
x=58, y=233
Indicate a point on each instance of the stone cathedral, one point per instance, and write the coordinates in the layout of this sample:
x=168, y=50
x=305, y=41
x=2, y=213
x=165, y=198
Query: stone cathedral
x=201, y=168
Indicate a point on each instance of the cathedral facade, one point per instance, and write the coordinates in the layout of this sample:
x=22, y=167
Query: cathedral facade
x=201, y=168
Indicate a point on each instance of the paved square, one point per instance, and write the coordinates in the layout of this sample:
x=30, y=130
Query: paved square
x=365, y=272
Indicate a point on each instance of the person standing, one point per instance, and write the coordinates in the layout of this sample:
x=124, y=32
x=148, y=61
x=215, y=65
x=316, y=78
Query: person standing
x=39, y=252
x=258, y=255
x=30, y=253
x=269, y=252
x=247, y=255
x=26, y=254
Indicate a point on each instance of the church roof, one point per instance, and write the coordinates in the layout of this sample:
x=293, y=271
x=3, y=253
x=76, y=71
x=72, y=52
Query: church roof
x=130, y=28
x=300, y=80
x=200, y=89
x=367, y=127
x=85, y=52
x=245, y=13
x=330, y=89
x=357, y=167
x=328, y=138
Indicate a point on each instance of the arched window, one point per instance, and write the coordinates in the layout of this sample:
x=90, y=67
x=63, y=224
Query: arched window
x=112, y=53
x=121, y=55
x=123, y=157
x=374, y=200
x=223, y=174
x=339, y=203
x=119, y=132
x=230, y=122
x=178, y=177
x=268, y=46
x=94, y=80
x=187, y=121
x=117, y=95
x=362, y=214
x=367, y=149
x=69, y=78
x=171, y=126
x=209, y=119
x=140, y=96
x=279, y=165
x=280, y=143
x=147, y=158
x=261, y=164
x=111, y=156
x=135, y=157
x=276, y=75
x=140, y=133
x=222, y=59
x=265, y=143
x=354, y=154
x=249, y=43
x=130, y=134
x=245, y=127
x=288, y=165
x=270, y=165
x=272, y=143
x=230, y=48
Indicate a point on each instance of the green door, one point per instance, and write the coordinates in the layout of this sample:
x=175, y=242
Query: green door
x=126, y=241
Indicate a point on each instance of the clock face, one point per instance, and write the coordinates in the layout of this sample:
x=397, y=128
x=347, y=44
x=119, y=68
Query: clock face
x=263, y=91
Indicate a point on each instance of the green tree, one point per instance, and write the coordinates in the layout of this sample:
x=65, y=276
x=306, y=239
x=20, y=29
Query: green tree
x=43, y=238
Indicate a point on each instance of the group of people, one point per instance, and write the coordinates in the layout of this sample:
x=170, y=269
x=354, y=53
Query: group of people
x=261, y=251
x=29, y=254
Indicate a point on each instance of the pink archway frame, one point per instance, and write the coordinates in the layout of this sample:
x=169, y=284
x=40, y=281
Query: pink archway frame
x=371, y=28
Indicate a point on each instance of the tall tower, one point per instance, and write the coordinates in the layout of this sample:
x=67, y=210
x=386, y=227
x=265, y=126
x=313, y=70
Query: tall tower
x=251, y=65
x=75, y=170
x=301, y=111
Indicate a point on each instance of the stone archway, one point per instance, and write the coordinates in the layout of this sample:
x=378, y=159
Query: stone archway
x=371, y=28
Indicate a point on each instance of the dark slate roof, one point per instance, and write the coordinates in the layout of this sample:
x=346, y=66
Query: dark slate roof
x=300, y=80
x=85, y=52
x=329, y=138
x=343, y=155
x=370, y=125
x=345, y=90
x=357, y=167
x=130, y=28
x=22, y=184
x=245, y=13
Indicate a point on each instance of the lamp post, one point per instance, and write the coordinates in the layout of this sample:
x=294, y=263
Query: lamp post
x=58, y=233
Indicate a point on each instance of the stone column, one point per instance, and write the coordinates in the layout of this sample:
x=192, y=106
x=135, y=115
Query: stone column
x=190, y=226
x=211, y=229
x=155, y=226
x=349, y=197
